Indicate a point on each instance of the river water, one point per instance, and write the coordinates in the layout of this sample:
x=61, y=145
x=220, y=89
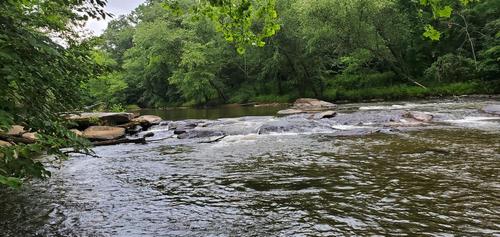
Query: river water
x=368, y=171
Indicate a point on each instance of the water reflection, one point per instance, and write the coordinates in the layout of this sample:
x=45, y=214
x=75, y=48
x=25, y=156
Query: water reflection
x=232, y=111
x=433, y=182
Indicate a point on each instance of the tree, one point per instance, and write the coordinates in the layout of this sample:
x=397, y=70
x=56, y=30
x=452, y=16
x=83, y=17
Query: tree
x=40, y=78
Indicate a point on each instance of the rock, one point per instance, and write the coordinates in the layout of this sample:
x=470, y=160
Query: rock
x=308, y=104
x=183, y=125
x=103, y=133
x=419, y=116
x=4, y=143
x=149, y=134
x=164, y=123
x=148, y=120
x=179, y=131
x=200, y=134
x=77, y=132
x=326, y=114
x=88, y=119
x=30, y=136
x=16, y=130
x=290, y=111
x=492, y=109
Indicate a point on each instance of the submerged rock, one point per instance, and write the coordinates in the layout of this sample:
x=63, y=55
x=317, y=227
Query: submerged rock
x=290, y=111
x=179, y=131
x=200, y=134
x=492, y=109
x=103, y=133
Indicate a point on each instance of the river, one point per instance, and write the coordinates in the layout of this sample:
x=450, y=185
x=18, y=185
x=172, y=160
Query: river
x=368, y=171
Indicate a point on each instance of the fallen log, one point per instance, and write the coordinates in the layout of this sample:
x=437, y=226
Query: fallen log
x=141, y=140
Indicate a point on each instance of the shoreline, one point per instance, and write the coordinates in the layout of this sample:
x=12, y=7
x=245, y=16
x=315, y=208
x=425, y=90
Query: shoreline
x=340, y=102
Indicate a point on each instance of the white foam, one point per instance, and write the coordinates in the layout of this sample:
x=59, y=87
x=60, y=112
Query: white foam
x=477, y=122
x=408, y=106
x=346, y=127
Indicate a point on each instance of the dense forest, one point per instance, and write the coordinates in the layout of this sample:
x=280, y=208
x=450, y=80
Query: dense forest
x=335, y=50
x=171, y=53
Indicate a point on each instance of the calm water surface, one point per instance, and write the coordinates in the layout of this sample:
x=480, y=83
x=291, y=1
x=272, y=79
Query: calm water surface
x=214, y=112
x=439, y=179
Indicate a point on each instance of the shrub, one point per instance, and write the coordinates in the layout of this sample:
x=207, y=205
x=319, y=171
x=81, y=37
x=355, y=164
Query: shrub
x=451, y=68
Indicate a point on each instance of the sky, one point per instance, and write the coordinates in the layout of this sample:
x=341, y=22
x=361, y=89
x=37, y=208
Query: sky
x=115, y=7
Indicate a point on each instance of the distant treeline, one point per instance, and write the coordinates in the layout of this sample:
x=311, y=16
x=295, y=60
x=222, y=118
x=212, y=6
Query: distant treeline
x=329, y=49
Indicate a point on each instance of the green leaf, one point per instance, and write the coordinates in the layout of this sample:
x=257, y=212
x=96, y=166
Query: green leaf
x=444, y=12
x=11, y=181
x=431, y=33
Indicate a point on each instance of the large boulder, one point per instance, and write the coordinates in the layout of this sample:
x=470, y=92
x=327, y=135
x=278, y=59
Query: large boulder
x=103, y=133
x=148, y=120
x=89, y=119
x=308, y=104
x=419, y=116
x=492, y=109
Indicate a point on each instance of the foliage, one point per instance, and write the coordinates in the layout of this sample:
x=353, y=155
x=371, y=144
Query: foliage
x=451, y=68
x=182, y=55
x=39, y=78
x=243, y=22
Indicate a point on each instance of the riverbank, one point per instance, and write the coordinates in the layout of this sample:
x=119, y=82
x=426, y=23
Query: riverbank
x=341, y=95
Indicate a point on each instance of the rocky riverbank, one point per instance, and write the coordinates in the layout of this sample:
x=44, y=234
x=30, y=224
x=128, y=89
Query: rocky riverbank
x=102, y=128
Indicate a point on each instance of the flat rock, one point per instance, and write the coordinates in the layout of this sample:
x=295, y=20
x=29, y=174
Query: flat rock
x=309, y=104
x=77, y=132
x=419, y=116
x=16, y=130
x=290, y=111
x=30, y=136
x=4, y=143
x=103, y=133
x=148, y=119
x=87, y=119
x=492, y=109
x=325, y=114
